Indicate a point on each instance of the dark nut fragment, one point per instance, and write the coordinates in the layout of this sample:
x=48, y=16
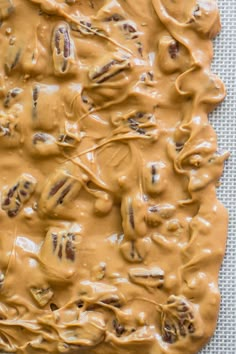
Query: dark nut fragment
x=60, y=189
x=129, y=29
x=45, y=144
x=15, y=197
x=10, y=95
x=178, y=319
x=136, y=251
x=148, y=277
x=172, y=56
x=10, y=127
x=6, y=8
x=113, y=67
x=35, y=96
x=42, y=296
x=115, y=17
x=119, y=328
x=173, y=49
x=63, y=50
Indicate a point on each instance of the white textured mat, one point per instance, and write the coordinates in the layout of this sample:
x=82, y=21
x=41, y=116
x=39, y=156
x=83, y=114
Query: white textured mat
x=224, y=121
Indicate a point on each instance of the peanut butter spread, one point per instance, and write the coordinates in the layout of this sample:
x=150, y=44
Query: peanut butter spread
x=111, y=234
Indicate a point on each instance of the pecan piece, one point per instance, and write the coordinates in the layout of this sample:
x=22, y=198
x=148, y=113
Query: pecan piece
x=156, y=213
x=133, y=214
x=15, y=197
x=118, y=327
x=129, y=29
x=148, y=277
x=6, y=8
x=179, y=319
x=136, y=252
x=155, y=178
x=42, y=295
x=60, y=189
x=45, y=144
x=58, y=253
x=12, y=58
x=113, y=67
x=10, y=95
x=63, y=49
x=45, y=103
x=114, y=17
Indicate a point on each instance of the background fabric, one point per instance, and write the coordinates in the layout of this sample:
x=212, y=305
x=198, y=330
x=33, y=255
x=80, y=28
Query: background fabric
x=224, y=121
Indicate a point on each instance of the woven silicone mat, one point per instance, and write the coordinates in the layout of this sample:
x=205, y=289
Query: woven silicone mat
x=224, y=121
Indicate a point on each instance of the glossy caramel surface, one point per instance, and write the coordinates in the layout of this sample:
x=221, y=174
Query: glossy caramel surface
x=111, y=234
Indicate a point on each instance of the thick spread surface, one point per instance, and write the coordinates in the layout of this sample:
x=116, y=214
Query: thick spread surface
x=111, y=235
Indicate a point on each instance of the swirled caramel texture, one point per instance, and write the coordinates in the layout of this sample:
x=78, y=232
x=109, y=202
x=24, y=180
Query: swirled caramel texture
x=111, y=234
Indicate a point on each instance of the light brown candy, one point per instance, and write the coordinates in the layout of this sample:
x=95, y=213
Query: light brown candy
x=10, y=133
x=46, y=103
x=133, y=216
x=11, y=95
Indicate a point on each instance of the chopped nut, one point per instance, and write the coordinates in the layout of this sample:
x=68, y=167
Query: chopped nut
x=136, y=252
x=178, y=319
x=129, y=29
x=119, y=328
x=45, y=144
x=10, y=95
x=15, y=197
x=115, y=17
x=149, y=277
x=100, y=74
x=59, y=190
x=154, y=177
x=42, y=296
x=63, y=49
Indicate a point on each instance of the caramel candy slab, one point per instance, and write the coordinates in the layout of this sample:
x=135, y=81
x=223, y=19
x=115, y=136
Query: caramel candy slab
x=111, y=234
